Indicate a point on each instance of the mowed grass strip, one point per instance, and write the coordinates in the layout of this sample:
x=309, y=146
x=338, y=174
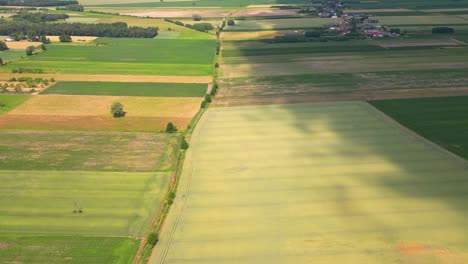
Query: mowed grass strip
x=10, y=102
x=113, y=204
x=84, y=151
x=441, y=119
x=128, y=89
x=84, y=105
x=314, y=183
x=66, y=249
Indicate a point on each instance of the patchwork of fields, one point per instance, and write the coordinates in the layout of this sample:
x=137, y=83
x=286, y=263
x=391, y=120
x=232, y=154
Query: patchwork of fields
x=322, y=183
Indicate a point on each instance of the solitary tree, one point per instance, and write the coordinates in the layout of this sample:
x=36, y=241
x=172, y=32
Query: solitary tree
x=3, y=46
x=1, y=61
x=65, y=38
x=117, y=110
x=30, y=50
x=152, y=239
x=208, y=98
x=231, y=22
x=170, y=128
x=183, y=143
x=196, y=17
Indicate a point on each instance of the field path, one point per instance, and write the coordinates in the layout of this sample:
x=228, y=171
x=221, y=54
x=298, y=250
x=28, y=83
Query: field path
x=113, y=78
x=160, y=252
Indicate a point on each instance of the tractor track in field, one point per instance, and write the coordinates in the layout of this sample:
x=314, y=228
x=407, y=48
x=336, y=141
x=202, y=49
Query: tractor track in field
x=183, y=197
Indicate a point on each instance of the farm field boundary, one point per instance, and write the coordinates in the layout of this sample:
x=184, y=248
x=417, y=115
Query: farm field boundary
x=361, y=173
x=113, y=78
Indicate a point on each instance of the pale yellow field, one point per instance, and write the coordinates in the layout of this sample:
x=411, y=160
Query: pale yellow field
x=252, y=34
x=74, y=39
x=21, y=44
x=64, y=105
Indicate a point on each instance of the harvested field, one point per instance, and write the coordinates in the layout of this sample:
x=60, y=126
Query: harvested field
x=420, y=44
x=112, y=203
x=176, y=13
x=21, y=45
x=266, y=13
x=81, y=39
x=281, y=24
x=82, y=151
x=268, y=34
x=67, y=105
x=128, y=89
x=348, y=186
x=344, y=86
x=114, y=78
x=90, y=123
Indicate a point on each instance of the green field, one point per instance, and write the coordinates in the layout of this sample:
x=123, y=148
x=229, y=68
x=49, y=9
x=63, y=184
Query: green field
x=83, y=151
x=124, y=56
x=279, y=24
x=66, y=249
x=441, y=120
x=11, y=55
x=314, y=183
x=11, y=102
x=128, y=89
x=113, y=204
x=422, y=20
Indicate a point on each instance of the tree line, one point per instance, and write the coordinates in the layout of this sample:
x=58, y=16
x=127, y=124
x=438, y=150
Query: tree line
x=116, y=30
x=37, y=2
x=39, y=17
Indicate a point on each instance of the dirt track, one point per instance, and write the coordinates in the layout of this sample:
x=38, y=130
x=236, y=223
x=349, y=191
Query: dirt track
x=113, y=78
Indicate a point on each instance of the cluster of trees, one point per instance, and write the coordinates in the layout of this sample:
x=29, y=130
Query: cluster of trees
x=39, y=17
x=443, y=30
x=116, y=30
x=37, y=2
x=76, y=8
x=3, y=46
x=203, y=27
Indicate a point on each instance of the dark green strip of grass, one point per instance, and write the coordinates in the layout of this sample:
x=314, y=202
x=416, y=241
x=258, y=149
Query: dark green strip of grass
x=128, y=89
x=300, y=50
x=442, y=120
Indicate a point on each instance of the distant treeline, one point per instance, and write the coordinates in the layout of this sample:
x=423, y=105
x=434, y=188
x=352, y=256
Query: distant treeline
x=116, y=30
x=39, y=17
x=37, y=2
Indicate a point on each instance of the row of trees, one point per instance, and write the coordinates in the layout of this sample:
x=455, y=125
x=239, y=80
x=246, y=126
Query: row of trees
x=37, y=2
x=76, y=8
x=116, y=30
x=39, y=17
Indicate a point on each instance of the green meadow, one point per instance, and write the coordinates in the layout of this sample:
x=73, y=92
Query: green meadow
x=440, y=119
x=67, y=249
x=124, y=56
x=128, y=89
x=113, y=204
x=11, y=101
x=82, y=151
